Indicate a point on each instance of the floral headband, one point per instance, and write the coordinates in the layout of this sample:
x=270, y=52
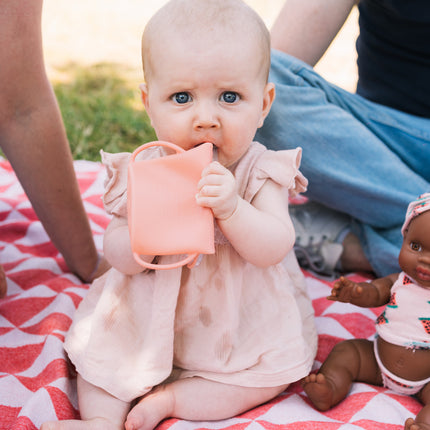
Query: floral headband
x=416, y=208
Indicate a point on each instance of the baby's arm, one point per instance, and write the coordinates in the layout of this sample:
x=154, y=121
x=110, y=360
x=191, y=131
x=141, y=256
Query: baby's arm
x=117, y=247
x=261, y=232
x=364, y=294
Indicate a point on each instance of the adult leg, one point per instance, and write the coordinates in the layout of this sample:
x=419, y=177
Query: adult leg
x=361, y=158
x=349, y=361
x=196, y=399
x=33, y=138
x=99, y=411
x=3, y=282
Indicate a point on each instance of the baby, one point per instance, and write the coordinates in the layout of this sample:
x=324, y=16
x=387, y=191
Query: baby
x=233, y=332
x=399, y=358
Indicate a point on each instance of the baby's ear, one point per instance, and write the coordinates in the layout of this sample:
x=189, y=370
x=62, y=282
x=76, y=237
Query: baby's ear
x=269, y=97
x=144, y=94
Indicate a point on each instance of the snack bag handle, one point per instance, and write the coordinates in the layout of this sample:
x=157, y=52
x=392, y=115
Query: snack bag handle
x=190, y=261
x=156, y=143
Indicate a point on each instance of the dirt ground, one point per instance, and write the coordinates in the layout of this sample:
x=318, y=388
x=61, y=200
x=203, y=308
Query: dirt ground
x=88, y=32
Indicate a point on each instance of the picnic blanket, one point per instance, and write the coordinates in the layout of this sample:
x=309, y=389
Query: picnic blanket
x=37, y=383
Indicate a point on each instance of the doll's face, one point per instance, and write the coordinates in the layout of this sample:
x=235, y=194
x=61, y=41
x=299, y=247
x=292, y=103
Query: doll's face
x=414, y=257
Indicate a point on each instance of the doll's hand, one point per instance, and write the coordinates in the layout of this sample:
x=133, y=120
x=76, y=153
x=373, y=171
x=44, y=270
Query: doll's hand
x=217, y=190
x=346, y=291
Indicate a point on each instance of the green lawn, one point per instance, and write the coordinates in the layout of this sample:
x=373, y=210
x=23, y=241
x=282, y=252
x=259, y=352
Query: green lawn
x=101, y=110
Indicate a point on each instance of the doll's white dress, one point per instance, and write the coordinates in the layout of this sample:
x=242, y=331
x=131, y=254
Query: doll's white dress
x=225, y=320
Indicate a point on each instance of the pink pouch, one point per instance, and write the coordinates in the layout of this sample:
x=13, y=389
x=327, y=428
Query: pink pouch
x=163, y=216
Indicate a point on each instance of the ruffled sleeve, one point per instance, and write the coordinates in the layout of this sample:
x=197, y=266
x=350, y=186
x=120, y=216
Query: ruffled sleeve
x=115, y=195
x=281, y=167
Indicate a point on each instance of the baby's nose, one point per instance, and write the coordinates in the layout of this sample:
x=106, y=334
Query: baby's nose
x=206, y=118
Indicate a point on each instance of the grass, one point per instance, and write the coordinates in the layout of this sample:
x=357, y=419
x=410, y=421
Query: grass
x=101, y=110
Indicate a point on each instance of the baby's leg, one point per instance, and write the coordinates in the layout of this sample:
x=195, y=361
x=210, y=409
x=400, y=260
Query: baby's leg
x=99, y=411
x=349, y=361
x=196, y=399
x=422, y=420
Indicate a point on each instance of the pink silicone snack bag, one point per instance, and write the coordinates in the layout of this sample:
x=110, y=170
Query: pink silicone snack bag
x=163, y=216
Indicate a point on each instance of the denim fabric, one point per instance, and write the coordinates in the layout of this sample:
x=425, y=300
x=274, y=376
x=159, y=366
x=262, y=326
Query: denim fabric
x=360, y=157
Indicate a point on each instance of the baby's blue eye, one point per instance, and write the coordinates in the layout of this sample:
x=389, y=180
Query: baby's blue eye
x=229, y=97
x=181, y=98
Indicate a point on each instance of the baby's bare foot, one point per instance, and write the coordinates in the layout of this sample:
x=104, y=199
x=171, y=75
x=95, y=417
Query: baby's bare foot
x=151, y=410
x=410, y=424
x=96, y=424
x=319, y=391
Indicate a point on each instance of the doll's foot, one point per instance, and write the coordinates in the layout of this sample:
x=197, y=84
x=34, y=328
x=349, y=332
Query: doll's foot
x=151, y=410
x=319, y=390
x=410, y=424
x=3, y=283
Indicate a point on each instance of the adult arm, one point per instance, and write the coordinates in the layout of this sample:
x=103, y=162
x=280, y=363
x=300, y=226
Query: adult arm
x=305, y=28
x=33, y=138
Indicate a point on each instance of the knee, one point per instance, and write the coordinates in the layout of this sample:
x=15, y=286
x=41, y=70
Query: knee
x=345, y=347
x=424, y=396
x=348, y=353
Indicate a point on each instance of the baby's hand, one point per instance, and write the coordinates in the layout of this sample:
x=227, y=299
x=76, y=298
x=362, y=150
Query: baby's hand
x=217, y=190
x=344, y=290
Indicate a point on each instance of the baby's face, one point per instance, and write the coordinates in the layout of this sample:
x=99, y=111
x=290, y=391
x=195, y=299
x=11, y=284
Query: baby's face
x=414, y=257
x=205, y=91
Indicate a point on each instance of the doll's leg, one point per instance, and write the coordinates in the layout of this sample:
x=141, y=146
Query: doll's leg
x=422, y=420
x=196, y=399
x=99, y=411
x=349, y=361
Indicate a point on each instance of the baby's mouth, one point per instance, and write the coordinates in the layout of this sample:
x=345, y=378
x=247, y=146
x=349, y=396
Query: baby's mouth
x=215, y=149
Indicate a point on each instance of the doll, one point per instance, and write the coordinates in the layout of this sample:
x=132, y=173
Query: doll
x=399, y=357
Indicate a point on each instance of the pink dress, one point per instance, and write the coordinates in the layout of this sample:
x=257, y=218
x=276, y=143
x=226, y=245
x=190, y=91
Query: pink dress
x=225, y=320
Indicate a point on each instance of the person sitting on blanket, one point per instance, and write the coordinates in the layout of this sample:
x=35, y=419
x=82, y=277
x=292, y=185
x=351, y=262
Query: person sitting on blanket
x=399, y=358
x=33, y=138
x=234, y=331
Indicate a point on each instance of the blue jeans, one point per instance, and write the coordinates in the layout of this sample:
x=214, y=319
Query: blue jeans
x=360, y=157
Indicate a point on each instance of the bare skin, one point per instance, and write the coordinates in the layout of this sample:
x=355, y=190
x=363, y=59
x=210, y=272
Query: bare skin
x=196, y=399
x=349, y=361
x=33, y=138
x=305, y=29
x=3, y=283
x=190, y=100
x=189, y=399
x=354, y=360
x=99, y=411
x=353, y=258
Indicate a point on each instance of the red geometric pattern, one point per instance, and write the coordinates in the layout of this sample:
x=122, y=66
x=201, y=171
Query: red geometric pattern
x=38, y=384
